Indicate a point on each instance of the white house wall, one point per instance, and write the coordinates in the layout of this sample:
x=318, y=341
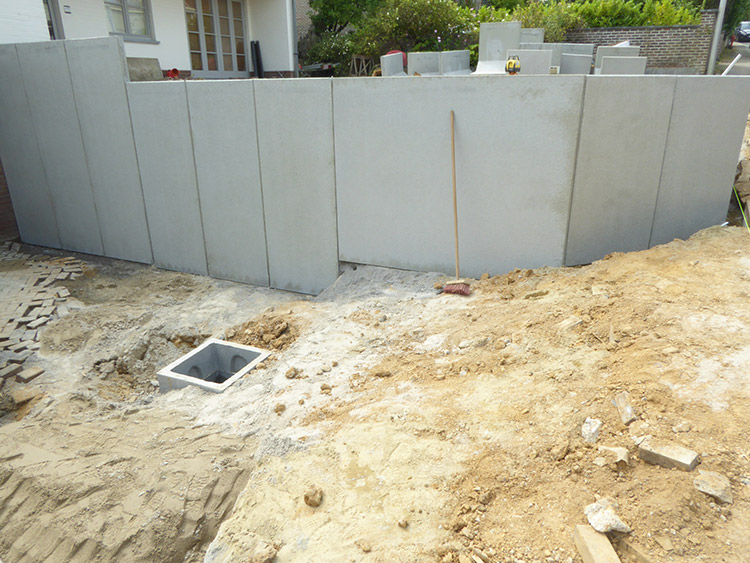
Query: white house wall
x=170, y=31
x=88, y=18
x=269, y=25
x=22, y=21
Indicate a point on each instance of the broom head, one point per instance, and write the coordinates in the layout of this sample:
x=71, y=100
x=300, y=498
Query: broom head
x=457, y=287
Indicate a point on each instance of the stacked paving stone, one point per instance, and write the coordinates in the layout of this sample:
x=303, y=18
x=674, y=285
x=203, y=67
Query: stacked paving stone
x=29, y=299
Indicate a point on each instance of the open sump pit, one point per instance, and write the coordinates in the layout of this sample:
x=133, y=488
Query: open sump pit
x=213, y=366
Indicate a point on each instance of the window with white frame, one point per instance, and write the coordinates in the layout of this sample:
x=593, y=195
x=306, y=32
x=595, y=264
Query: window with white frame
x=130, y=18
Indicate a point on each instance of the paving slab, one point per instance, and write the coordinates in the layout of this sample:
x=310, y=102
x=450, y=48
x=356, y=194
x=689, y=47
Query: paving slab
x=667, y=454
x=593, y=546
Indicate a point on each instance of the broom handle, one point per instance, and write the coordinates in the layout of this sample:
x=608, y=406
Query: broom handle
x=455, y=205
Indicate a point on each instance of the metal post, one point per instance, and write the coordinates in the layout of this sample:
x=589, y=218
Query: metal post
x=717, y=37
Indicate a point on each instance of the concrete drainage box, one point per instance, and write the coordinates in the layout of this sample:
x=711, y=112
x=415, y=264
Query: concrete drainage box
x=213, y=366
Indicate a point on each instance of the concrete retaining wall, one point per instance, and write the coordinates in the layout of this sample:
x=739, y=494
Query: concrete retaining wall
x=273, y=182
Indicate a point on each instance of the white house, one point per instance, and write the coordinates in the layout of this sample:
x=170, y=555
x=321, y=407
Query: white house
x=210, y=38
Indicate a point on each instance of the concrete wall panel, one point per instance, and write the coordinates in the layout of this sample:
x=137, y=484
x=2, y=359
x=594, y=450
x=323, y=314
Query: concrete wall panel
x=606, y=51
x=621, y=149
x=165, y=154
x=226, y=162
x=393, y=170
x=575, y=64
x=696, y=182
x=533, y=62
x=98, y=73
x=296, y=151
x=623, y=65
x=53, y=111
x=21, y=158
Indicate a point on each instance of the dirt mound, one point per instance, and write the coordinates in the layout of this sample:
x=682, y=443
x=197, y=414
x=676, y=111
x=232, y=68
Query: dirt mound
x=275, y=330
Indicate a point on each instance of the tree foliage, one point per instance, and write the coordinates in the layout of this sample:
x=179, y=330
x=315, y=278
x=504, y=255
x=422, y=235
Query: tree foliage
x=335, y=15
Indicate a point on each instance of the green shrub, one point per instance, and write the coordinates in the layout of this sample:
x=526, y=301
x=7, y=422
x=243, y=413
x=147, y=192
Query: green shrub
x=555, y=17
x=630, y=13
x=331, y=48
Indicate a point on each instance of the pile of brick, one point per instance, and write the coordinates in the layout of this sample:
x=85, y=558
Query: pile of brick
x=29, y=299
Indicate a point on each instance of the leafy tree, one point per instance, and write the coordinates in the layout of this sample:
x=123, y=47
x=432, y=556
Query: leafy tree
x=335, y=15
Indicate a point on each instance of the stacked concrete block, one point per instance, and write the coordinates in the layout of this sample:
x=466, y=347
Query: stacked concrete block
x=601, y=52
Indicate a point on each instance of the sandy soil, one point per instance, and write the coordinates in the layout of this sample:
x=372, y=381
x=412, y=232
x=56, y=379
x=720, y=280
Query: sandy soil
x=438, y=427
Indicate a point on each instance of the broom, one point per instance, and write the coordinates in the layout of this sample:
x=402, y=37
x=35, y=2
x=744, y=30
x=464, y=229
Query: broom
x=457, y=286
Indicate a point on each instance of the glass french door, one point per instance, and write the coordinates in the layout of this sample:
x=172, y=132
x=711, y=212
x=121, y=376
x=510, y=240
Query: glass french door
x=216, y=35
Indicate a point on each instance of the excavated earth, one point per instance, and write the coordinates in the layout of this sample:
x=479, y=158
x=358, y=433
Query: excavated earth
x=437, y=427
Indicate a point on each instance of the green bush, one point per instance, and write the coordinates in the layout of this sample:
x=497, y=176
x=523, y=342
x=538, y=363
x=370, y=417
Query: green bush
x=331, y=48
x=555, y=17
x=630, y=13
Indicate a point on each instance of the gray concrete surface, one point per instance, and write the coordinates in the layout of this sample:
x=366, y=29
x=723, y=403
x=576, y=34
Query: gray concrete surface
x=295, y=135
x=44, y=67
x=97, y=71
x=455, y=63
x=512, y=209
x=620, y=154
x=141, y=69
x=228, y=172
x=165, y=154
x=22, y=160
x=578, y=49
x=605, y=51
x=575, y=64
x=533, y=62
x=705, y=136
x=623, y=65
x=392, y=65
x=495, y=39
x=425, y=64
x=532, y=35
x=555, y=48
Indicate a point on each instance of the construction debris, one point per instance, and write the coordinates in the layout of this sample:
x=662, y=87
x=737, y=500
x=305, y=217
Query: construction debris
x=714, y=484
x=622, y=402
x=314, y=496
x=593, y=546
x=603, y=518
x=590, y=429
x=667, y=455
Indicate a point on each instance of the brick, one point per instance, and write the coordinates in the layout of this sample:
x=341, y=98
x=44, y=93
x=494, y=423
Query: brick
x=39, y=322
x=9, y=371
x=28, y=374
x=667, y=455
x=593, y=546
x=19, y=357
